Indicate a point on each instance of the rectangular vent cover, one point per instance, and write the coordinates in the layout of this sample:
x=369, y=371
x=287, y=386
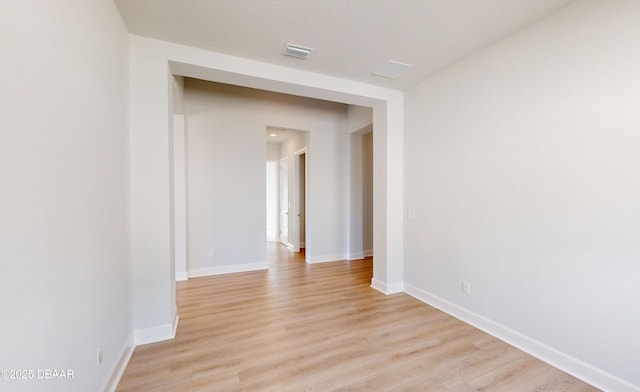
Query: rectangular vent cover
x=392, y=69
x=296, y=51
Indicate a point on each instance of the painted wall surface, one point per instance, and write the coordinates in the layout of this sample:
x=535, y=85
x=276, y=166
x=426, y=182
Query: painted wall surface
x=177, y=97
x=358, y=117
x=522, y=164
x=356, y=190
x=226, y=171
x=179, y=196
x=273, y=152
x=272, y=200
x=179, y=180
x=65, y=286
x=359, y=124
x=150, y=123
x=388, y=223
x=273, y=155
x=367, y=193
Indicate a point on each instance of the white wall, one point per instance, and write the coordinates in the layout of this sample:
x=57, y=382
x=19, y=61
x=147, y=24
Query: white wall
x=178, y=94
x=358, y=117
x=273, y=152
x=226, y=172
x=179, y=196
x=273, y=211
x=65, y=284
x=179, y=180
x=367, y=193
x=150, y=123
x=272, y=200
x=360, y=236
x=522, y=164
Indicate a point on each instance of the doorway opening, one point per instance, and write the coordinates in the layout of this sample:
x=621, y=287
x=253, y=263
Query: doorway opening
x=286, y=188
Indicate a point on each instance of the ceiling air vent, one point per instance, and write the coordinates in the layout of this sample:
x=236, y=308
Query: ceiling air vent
x=296, y=51
x=392, y=69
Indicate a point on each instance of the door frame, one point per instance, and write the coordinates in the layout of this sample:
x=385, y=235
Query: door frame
x=295, y=236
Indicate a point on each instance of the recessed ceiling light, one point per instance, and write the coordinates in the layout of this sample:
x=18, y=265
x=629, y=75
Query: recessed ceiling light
x=298, y=51
x=273, y=135
x=392, y=69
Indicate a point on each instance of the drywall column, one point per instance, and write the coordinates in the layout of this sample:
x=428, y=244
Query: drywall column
x=150, y=116
x=394, y=187
x=388, y=196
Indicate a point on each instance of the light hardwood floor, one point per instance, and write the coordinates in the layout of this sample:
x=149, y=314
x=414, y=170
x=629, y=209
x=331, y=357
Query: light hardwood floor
x=320, y=327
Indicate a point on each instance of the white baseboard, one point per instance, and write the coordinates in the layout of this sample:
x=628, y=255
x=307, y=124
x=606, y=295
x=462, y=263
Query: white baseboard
x=228, y=269
x=182, y=275
x=356, y=256
x=156, y=334
x=360, y=255
x=111, y=383
x=176, y=318
x=577, y=368
x=303, y=244
x=387, y=289
x=290, y=246
x=325, y=258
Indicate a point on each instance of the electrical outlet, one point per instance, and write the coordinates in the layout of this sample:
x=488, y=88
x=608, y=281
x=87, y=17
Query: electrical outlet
x=466, y=287
x=411, y=214
x=212, y=252
x=99, y=350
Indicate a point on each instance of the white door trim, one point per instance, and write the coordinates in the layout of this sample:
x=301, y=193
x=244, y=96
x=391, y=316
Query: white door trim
x=294, y=237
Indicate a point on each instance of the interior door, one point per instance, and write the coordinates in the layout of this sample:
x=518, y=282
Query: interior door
x=283, y=180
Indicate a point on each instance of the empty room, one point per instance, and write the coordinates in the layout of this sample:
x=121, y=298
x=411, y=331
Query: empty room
x=451, y=199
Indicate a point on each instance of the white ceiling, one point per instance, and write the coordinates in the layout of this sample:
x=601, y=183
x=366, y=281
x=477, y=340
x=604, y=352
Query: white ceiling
x=351, y=38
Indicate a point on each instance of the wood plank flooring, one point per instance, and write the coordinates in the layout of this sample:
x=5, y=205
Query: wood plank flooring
x=320, y=327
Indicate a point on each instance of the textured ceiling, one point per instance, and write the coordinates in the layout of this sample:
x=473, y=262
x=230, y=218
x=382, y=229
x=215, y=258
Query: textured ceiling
x=351, y=38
